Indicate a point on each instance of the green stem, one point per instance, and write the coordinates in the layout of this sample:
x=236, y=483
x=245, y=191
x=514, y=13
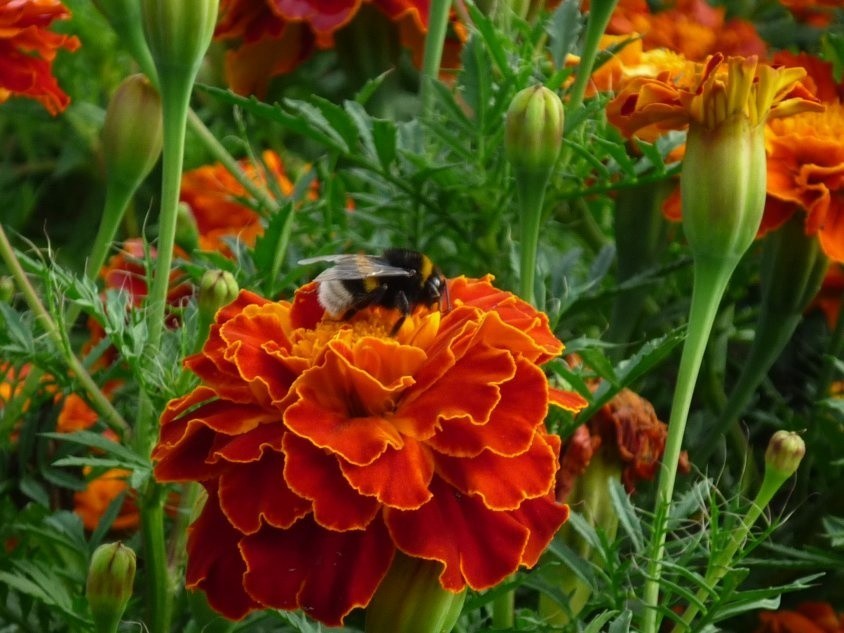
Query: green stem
x=98, y=400
x=531, y=192
x=504, y=610
x=600, y=12
x=724, y=559
x=159, y=585
x=437, y=27
x=711, y=277
x=266, y=202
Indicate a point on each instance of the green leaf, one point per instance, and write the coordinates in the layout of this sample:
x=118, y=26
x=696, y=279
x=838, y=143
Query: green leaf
x=626, y=512
x=596, y=623
x=622, y=623
x=126, y=457
x=384, y=136
x=564, y=29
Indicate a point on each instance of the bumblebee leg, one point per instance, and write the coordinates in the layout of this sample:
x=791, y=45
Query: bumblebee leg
x=403, y=305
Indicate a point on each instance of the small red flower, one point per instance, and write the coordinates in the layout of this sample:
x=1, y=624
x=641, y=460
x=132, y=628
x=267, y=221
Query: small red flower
x=808, y=617
x=28, y=48
x=325, y=446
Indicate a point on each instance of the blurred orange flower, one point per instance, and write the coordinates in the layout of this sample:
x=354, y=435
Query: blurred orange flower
x=326, y=445
x=272, y=37
x=815, y=12
x=831, y=294
x=691, y=28
x=217, y=200
x=806, y=172
x=809, y=617
x=28, y=48
x=90, y=504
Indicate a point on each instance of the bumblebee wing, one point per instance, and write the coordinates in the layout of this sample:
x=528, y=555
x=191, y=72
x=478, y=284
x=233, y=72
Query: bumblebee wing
x=356, y=267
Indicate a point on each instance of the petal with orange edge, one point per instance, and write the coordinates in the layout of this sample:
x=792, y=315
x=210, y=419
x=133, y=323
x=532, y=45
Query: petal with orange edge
x=398, y=478
x=269, y=499
x=314, y=474
x=326, y=574
x=214, y=562
x=446, y=529
x=529, y=475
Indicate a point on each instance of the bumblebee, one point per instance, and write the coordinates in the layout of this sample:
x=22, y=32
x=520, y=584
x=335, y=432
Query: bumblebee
x=398, y=279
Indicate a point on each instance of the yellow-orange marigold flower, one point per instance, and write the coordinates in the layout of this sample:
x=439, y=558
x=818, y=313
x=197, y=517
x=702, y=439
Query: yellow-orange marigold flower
x=28, y=48
x=326, y=446
x=92, y=502
x=709, y=94
x=806, y=171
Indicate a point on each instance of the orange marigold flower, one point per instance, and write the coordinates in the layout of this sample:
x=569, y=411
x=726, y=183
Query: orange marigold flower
x=809, y=617
x=125, y=271
x=28, y=48
x=820, y=79
x=90, y=504
x=216, y=200
x=325, y=446
x=692, y=28
x=806, y=171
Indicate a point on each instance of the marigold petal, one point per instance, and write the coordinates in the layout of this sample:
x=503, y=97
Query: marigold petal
x=269, y=498
x=568, y=400
x=446, y=529
x=326, y=574
x=510, y=428
x=398, y=478
x=249, y=446
x=529, y=475
x=315, y=475
x=214, y=562
x=542, y=517
x=831, y=235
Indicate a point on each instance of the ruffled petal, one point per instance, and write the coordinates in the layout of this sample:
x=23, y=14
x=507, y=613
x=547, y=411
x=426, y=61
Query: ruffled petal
x=326, y=574
x=214, y=563
x=269, y=499
x=315, y=475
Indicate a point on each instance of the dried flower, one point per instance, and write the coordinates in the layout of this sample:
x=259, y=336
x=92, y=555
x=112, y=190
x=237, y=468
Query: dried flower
x=27, y=51
x=353, y=444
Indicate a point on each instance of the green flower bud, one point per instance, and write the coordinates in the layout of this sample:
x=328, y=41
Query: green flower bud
x=187, y=231
x=178, y=33
x=7, y=289
x=410, y=599
x=784, y=453
x=534, y=129
x=216, y=289
x=723, y=187
x=132, y=133
x=109, y=586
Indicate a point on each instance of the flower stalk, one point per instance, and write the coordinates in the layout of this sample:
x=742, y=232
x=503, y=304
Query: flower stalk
x=600, y=12
x=434, y=41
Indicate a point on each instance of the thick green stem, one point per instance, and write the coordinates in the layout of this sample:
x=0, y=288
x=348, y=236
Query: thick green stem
x=599, y=16
x=531, y=192
x=437, y=27
x=98, y=400
x=711, y=277
x=159, y=584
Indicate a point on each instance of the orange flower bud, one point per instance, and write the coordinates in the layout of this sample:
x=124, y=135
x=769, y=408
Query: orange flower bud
x=109, y=587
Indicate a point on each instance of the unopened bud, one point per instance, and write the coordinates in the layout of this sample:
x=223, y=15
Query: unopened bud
x=534, y=129
x=187, y=231
x=178, y=33
x=109, y=587
x=784, y=453
x=7, y=289
x=132, y=133
x=216, y=289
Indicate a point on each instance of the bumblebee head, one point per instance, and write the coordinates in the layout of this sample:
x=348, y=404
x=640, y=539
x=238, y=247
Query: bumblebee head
x=434, y=288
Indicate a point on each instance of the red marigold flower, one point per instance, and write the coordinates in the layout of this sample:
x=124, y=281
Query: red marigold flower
x=216, y=199
x=272, y=37
x=28, y=48
x=327, y=445
x=809, y=617
x=815, y=12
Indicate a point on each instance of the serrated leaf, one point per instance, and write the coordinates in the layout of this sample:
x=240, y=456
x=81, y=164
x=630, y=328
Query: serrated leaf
x=128, y=458
x=596, y=623
x=622, y=623
x=576, y=564
x=384, y=136
x=564, y=28
x=363, y=125
x=626, y=512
